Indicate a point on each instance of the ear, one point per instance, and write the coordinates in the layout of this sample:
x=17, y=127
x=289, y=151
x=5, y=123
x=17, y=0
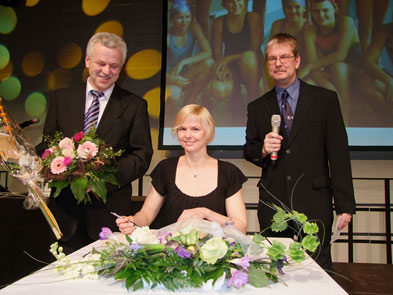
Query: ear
x=297, y=60
x=87, y=61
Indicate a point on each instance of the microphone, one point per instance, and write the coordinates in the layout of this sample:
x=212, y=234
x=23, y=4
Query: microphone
x=29, y=122
x=276, y=122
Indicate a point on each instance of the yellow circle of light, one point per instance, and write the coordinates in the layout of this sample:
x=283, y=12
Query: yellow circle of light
x=6, y=71
x=143, y=64
x=69, y=56
x=94, y=7
x=59, y=78
x=8, y=19
x=153, y=102
x=33, y=63
x=112, y=26
x=31, y=3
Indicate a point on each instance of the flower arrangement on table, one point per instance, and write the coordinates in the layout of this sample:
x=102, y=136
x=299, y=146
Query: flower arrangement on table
x=83, y=162
x=192, y=254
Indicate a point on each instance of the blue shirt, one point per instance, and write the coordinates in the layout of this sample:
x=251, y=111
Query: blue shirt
x=293, y=95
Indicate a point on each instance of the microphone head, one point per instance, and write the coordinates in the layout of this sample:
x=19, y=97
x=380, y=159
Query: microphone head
x=276, y=121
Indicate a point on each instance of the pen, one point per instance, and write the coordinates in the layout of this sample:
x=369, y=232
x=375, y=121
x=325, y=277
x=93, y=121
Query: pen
x=129, y=221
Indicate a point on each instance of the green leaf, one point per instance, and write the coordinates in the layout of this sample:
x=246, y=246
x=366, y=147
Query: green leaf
x=279, y=216
x=78, y=188
x=257, y=277
x=310, y=228
x=296, y=252
x=99, y=188
x=110, y=178
x=279, y=226
x=276, y=250
x=310, y=243
x=59, y=185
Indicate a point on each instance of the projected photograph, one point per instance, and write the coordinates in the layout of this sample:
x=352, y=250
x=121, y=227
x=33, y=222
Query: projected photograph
x=214, y=57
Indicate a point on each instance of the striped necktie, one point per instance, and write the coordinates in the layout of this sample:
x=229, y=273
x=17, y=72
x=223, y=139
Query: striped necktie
x=91, y=117
x=286, y=112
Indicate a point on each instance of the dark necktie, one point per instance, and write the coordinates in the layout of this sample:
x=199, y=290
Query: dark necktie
x=286, y=112
x=91, y=116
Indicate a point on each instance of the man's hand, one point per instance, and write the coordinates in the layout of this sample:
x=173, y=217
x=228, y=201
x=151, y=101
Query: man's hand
x=272, y=143
x=345, y=219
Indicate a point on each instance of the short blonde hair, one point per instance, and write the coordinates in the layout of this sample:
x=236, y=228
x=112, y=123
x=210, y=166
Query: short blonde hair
x=283, y=38
x=202, y=113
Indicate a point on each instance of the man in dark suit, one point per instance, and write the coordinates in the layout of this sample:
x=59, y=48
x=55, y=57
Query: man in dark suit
x=122, y=122
x=313, y=163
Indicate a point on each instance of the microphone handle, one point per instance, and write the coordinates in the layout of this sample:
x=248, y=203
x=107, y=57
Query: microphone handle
x=274, y=155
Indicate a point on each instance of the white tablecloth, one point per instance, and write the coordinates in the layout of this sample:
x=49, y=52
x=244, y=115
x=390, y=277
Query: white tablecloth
x=304, y=278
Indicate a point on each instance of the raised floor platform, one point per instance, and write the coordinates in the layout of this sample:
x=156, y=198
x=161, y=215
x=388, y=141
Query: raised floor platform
x=364, y=278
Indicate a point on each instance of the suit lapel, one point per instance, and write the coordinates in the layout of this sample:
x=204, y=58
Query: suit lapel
x=303, y=106
x=116, y=105
x=78, y=101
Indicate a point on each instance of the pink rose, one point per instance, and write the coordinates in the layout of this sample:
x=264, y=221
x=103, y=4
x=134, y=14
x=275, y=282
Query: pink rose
x=66, y=144
x=78, y=136
x=67, y=161
x=87, y=150
x=46, y=154
x=57, y=166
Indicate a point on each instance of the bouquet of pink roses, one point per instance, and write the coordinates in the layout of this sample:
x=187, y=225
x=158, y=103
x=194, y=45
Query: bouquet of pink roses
x=82, y=162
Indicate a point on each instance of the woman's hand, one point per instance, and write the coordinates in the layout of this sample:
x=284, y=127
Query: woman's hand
x=125, y=226
x=200, y=212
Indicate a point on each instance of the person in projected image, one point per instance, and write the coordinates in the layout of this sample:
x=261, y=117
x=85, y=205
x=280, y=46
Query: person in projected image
x=382, y=78
x=222, y=96
x=294, y=23
x=194, y=185
x=332, y=50
x=236, y=41
x=187, y=71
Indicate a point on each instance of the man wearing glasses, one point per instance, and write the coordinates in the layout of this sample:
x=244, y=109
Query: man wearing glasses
x=306, y=164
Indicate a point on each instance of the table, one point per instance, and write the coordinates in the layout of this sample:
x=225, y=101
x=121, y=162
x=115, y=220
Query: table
x=303, y=278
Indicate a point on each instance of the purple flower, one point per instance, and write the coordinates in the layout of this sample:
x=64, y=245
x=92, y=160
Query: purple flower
x=162, y=236
x=280, y=264
x=105, y=233
x=243, y=262
x=135, y=247
x=67, y=161
x=238, y=279
x=78, y=136
x=181, y=252
x=46, y=154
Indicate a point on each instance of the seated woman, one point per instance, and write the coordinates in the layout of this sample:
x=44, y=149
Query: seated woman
x=194, y=185
x=189, y=59
x=332, y=47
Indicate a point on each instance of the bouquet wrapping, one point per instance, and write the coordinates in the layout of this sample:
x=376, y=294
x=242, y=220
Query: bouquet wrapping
x=19, y=158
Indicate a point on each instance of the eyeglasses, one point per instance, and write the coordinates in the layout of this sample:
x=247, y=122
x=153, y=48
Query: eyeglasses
x=283, y=59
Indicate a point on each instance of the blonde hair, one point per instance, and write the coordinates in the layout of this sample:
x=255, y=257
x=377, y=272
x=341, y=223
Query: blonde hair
x=283, y=38
x=202, y=113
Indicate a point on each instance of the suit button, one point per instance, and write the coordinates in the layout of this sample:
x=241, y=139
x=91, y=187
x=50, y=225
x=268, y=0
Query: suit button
x=288, y=151
x=289, y=178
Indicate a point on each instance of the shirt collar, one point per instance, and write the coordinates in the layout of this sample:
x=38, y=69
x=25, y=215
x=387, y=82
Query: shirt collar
x=293, y=89
x=107, y=93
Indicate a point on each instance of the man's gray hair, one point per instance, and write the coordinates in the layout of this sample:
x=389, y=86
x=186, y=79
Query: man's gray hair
x=108, y=40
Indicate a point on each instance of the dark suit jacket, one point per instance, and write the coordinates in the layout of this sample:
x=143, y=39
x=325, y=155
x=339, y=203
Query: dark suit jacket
x=124, y=125
x=316, y=155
